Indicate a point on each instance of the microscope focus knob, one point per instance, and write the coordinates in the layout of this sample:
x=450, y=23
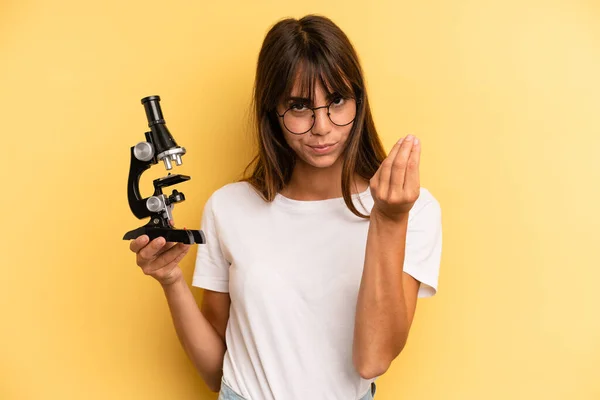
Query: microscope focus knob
x=143, y=151
x=155, y=204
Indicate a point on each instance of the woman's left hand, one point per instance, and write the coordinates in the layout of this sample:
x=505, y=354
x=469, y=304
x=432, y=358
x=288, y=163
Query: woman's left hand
x=396, y=186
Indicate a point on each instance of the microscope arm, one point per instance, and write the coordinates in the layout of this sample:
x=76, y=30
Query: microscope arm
x=136, y=203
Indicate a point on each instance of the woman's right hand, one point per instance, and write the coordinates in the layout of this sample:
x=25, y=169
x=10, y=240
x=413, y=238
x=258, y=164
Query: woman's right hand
x=158, y=259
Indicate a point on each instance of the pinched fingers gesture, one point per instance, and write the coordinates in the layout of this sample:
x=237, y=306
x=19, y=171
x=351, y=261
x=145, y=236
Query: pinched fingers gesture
x=396, y=185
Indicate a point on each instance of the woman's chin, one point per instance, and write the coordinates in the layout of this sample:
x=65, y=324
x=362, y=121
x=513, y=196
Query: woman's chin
x=322, y=161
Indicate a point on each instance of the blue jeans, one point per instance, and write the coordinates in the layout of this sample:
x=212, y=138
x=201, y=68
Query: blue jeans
x=227, y=393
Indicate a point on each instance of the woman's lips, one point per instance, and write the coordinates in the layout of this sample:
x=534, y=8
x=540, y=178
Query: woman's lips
x=323, y=149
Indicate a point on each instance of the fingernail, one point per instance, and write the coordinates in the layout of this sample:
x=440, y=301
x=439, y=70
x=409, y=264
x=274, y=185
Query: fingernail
x=409, y=137
x=416, y=141
x=400, y=141
x=160, y=241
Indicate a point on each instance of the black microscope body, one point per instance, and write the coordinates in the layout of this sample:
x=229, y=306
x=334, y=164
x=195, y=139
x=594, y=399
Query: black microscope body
x=159, y=145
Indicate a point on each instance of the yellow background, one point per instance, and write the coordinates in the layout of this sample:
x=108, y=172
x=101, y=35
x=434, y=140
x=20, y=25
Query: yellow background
x=505, y=96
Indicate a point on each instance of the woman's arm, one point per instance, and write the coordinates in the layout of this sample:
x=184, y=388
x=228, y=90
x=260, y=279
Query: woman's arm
x=386, y=300
x=202, y=337
x=387, y=297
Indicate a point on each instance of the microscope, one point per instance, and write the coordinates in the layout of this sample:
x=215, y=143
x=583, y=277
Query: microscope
x=159, y=145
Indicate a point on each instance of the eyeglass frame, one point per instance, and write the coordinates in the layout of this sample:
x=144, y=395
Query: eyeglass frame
x=358, y=101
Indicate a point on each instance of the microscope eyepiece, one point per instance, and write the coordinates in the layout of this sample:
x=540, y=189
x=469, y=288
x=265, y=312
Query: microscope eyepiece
x=153, y=111
x=166, y=148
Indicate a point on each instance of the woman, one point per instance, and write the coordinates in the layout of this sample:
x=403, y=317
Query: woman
x=313, y=263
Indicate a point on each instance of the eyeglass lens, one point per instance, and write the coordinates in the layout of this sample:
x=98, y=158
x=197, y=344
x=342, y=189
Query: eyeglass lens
x=299, y=118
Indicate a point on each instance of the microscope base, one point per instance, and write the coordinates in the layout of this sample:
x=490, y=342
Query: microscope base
x=171, y=235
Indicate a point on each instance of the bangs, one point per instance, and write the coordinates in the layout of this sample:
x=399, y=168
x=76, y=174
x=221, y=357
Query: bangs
x=308, y=71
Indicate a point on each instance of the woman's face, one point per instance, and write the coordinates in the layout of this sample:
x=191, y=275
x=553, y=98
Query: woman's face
x=309, y=147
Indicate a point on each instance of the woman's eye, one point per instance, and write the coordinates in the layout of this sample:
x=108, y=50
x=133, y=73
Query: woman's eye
x=297, y=106
x=338, y=101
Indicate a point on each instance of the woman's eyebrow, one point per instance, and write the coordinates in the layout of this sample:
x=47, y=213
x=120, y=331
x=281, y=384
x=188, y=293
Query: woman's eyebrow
x=296, y=98
x=329, y=96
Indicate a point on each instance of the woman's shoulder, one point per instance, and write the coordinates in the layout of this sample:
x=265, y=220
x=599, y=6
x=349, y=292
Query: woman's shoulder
x=232, y=189
x=233, y=194
x=425, y=196
x=426, y=204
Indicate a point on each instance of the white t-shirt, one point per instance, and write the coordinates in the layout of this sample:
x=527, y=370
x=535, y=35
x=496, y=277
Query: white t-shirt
x=293, y=270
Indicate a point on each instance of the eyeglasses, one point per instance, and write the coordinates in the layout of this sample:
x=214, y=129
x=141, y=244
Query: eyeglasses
x=299, y=119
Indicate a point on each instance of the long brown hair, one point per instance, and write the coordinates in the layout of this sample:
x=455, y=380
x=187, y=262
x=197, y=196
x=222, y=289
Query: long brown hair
x=316, y=48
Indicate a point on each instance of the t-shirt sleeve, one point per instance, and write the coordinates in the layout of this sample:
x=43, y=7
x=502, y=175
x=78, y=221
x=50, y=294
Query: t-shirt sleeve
x=423, y=249
x=212, y=269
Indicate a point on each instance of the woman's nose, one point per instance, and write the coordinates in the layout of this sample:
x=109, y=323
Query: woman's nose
x=322, y=124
